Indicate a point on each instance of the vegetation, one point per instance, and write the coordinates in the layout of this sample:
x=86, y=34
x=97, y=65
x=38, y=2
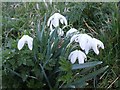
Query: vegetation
x=47, y=65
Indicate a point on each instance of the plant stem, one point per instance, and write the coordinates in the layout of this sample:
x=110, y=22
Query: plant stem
x=45, y=77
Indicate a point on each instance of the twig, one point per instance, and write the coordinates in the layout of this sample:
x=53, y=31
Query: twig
x=113, y=82
x=32, y=77
x=90, y=28
x=62, y=84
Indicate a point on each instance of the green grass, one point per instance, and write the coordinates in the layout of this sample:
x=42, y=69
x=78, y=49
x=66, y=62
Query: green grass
x=99, y=19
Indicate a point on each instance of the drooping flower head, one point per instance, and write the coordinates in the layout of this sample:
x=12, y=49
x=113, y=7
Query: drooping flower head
x=86, y=43
x=25, y=39
x=95, y=44
x=71, y=32
x=54, y=20
x=60, y=32
x=77, y=54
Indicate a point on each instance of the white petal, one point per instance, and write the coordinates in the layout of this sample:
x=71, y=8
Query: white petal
x=99, y=43
x=73, y=56
x=56, y=18
x=83, y=54
x=87, y=48
x=21, y=42
x=96, y=44
x=83, y=40
x=60, y=32
x=81, y=57
x=63, y=19
x=74, y=38
x=55, y=22
x=71, y=31
x=95, y=49
x=69, y=57
x=30, y=42
x=25, y=39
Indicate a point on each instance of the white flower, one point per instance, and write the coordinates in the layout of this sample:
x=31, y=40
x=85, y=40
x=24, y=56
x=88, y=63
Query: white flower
x=86, y=43
x=54, y=20
x=71, y=32
x=25, y=39
x=77, y=54
x=74, y=38
x=94, y=44
x=60, y=32
x=84, y=40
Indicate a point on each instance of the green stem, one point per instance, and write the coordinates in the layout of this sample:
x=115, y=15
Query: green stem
x=45, y=77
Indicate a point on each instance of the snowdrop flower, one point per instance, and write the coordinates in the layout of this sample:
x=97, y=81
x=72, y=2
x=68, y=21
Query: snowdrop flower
x=77, y=54
x=94, y=44
x=60, y=32
x=54, y=20
x=25, y=39
x=71, y=32
x=74, y=38
x=86, y=43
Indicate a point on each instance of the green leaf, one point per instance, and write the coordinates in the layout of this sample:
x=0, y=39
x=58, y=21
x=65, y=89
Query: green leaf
x=48, y=55
x=85, y=65
x=35, y=48
x=55, y=45
x=65, y=65
x=53, y=35
x=24, y=76
x=38, y=31
x=43, y=27
x=64, y=47
x=88, y=77
x=13, y=72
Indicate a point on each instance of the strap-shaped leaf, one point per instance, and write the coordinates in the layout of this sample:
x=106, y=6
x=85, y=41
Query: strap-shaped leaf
x=53, y=35
x=87, y=77
x=35, y=50
x=85, y=65
x=48, y=54
x=43, y=27
x=38, y=30
x=64, y=46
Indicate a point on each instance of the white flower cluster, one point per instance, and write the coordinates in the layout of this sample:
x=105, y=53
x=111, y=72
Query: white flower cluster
x=85, y=41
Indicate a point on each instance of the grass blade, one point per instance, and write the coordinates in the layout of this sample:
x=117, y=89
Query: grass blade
x=87, y=77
